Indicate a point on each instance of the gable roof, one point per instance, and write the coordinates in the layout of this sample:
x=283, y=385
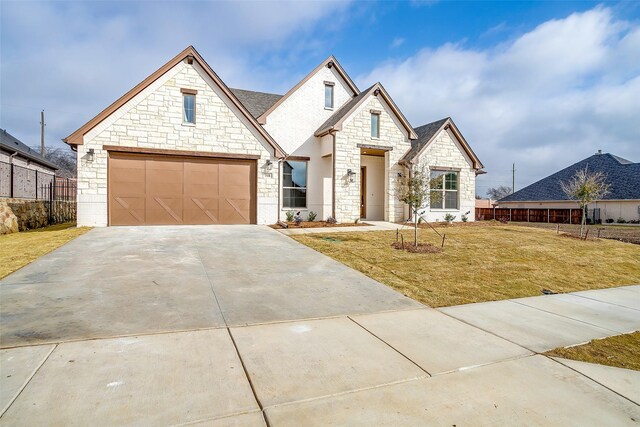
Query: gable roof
x=189, y=53
x=336, y=120
x=427, y=133
x=622, y=175
x=256, y=102
x=12, y=144
x=329, y=62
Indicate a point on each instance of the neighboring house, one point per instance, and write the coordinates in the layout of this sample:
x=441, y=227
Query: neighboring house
x=485, y=203
x=22, y=170
x=183, y=148
x=623, y=200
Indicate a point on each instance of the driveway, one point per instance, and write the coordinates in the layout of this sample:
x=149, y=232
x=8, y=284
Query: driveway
x=243, y=326
x=126, y=280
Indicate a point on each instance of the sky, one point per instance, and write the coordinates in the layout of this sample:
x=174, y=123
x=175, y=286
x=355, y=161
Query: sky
x=539, y=84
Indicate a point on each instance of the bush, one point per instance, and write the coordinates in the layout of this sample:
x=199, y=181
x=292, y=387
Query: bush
x=449, y=218
x=312, y=216
x=331, y=220
x=621, y=221
x=290, y=215
x=465, y=216
x=609, y=221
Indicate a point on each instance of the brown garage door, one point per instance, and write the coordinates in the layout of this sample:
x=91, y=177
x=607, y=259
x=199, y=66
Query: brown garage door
x=163, y=190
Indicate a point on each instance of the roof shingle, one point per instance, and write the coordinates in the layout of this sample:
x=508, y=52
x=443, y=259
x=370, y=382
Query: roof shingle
x=256, y=102
x=13, y=144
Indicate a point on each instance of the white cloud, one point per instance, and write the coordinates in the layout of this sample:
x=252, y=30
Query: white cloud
x=397, y=42
x=545, y=100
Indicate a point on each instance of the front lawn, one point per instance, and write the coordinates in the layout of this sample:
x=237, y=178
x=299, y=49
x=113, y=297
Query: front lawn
x=19, y=249
x=483, y=262
x=620, y=351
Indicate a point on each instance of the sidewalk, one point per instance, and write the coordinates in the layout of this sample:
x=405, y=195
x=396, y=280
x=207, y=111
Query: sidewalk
x=375, y=226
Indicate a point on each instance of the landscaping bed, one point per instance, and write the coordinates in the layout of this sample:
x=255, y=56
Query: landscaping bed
x=621, y=351
x=483, y=262
x=19, y=249
x=316, y=224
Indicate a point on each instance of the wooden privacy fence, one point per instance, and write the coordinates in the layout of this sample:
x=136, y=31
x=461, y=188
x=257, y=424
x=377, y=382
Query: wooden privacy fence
x=554, y=216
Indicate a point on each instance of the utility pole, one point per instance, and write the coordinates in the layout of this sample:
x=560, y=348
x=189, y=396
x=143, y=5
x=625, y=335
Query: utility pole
x=513, y=178
x=42, y=133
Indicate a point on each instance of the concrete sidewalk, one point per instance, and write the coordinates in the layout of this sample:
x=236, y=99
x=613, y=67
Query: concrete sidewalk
x=374, y=226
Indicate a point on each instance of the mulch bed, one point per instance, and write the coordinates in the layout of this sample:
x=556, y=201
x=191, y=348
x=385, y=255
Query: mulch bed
x=317, y=224
x=423, y=248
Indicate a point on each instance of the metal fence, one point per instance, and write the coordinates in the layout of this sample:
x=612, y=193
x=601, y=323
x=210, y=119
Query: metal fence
x=18, y=182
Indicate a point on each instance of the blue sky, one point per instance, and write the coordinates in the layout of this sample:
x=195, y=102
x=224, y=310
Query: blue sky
x=541, y=84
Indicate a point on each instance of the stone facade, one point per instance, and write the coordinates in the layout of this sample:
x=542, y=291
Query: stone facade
x=357, y=130
x=23, y=214
x=153, y=119
x=446, y=153
x=8, y=220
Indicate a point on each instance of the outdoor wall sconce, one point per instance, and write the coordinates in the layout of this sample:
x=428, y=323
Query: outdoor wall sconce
x=268, y=165
x=351, y=175
x=90, y=154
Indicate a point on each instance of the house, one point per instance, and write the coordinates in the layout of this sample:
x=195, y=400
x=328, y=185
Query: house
x=22, y=170
x=623, y=200
x=183, y=148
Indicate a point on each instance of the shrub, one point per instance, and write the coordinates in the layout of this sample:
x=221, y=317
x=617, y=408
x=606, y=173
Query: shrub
x=449, y=218
x=609, y=221
x=290, y=215
x=312, y=216
x=465, y=216
x=331, y=220
x=621, y=221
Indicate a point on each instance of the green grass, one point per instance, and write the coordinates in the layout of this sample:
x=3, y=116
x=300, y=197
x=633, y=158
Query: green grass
x=19, y=249
x=622, y=351
x=482, y=262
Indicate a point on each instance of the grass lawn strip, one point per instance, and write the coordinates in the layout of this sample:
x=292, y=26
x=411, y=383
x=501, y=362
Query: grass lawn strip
x=484, y=263
x=621, y=351
x=19, y=249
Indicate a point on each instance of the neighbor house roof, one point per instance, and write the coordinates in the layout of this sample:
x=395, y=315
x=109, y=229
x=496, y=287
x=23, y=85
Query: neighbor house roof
x=256, y=102
x=427, y=133
x=337, y=119
x=622, y=175
x=12, y=145
x=330, y=62
x=190, y=52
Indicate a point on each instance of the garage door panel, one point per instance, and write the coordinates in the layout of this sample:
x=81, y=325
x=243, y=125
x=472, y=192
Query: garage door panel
x=161, y=190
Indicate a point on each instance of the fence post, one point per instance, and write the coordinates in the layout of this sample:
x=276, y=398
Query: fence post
x=509, y=214
x=548, y=213
x=528, y=215
x=51, y=202
x=570, y=216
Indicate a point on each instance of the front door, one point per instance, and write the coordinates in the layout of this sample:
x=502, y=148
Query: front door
x=363, y=192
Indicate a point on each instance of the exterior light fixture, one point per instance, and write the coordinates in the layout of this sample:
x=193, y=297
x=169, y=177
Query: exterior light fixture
x=268, y=165
x=351, y=175
x=90, y=154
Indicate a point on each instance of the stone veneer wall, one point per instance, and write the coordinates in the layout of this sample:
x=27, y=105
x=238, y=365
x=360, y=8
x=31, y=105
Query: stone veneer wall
x=153, y=119
x=357, y=130
x=32, y=214
x=446, y=152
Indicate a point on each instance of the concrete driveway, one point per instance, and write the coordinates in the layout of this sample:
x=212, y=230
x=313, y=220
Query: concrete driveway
x=241, y=326
x=127, y=280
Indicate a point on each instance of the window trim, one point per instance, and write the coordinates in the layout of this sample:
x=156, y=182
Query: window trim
x=443, y=190
x=377, y=114
x=185, y=93
x=306, y=187
x=332, y=86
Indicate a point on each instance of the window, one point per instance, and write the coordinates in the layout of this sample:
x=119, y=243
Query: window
x=375, y=125
x=188, y=106
x=294, y=184
x=444, y=190
x=328, y=95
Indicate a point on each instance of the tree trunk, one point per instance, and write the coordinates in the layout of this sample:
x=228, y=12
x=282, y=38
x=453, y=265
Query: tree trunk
x=584, y=220
x=415, y=230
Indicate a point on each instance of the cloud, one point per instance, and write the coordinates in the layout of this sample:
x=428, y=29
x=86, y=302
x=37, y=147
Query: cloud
x=397, y=42
x=545, y=100
x=75, y=58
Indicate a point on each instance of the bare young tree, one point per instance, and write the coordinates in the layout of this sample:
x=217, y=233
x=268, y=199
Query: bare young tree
x=585, y=187
x=414, y=189
x=497, y=193
x=63, y=158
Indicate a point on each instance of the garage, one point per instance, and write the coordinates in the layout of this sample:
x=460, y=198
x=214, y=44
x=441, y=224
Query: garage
x=156, y=189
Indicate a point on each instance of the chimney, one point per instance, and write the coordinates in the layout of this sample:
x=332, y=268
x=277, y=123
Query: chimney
x=599, y=152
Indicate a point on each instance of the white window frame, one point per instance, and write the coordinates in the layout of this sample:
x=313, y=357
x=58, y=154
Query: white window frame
x=188, y=93
x=331, y=86
x=443, y=191
x=306, y=191
x=377, y=128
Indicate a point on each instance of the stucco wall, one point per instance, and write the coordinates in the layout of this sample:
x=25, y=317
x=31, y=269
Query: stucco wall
x=153, y=119
x=445, y=152
x=356, y=129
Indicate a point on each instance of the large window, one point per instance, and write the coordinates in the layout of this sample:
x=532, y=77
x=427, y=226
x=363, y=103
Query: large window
x=444, y=190
x=294, y=184
x=328, y=95
x=375, y=125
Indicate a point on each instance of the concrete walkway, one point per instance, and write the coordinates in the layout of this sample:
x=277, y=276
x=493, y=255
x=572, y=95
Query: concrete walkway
x=373, y=226
x=243, y=326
